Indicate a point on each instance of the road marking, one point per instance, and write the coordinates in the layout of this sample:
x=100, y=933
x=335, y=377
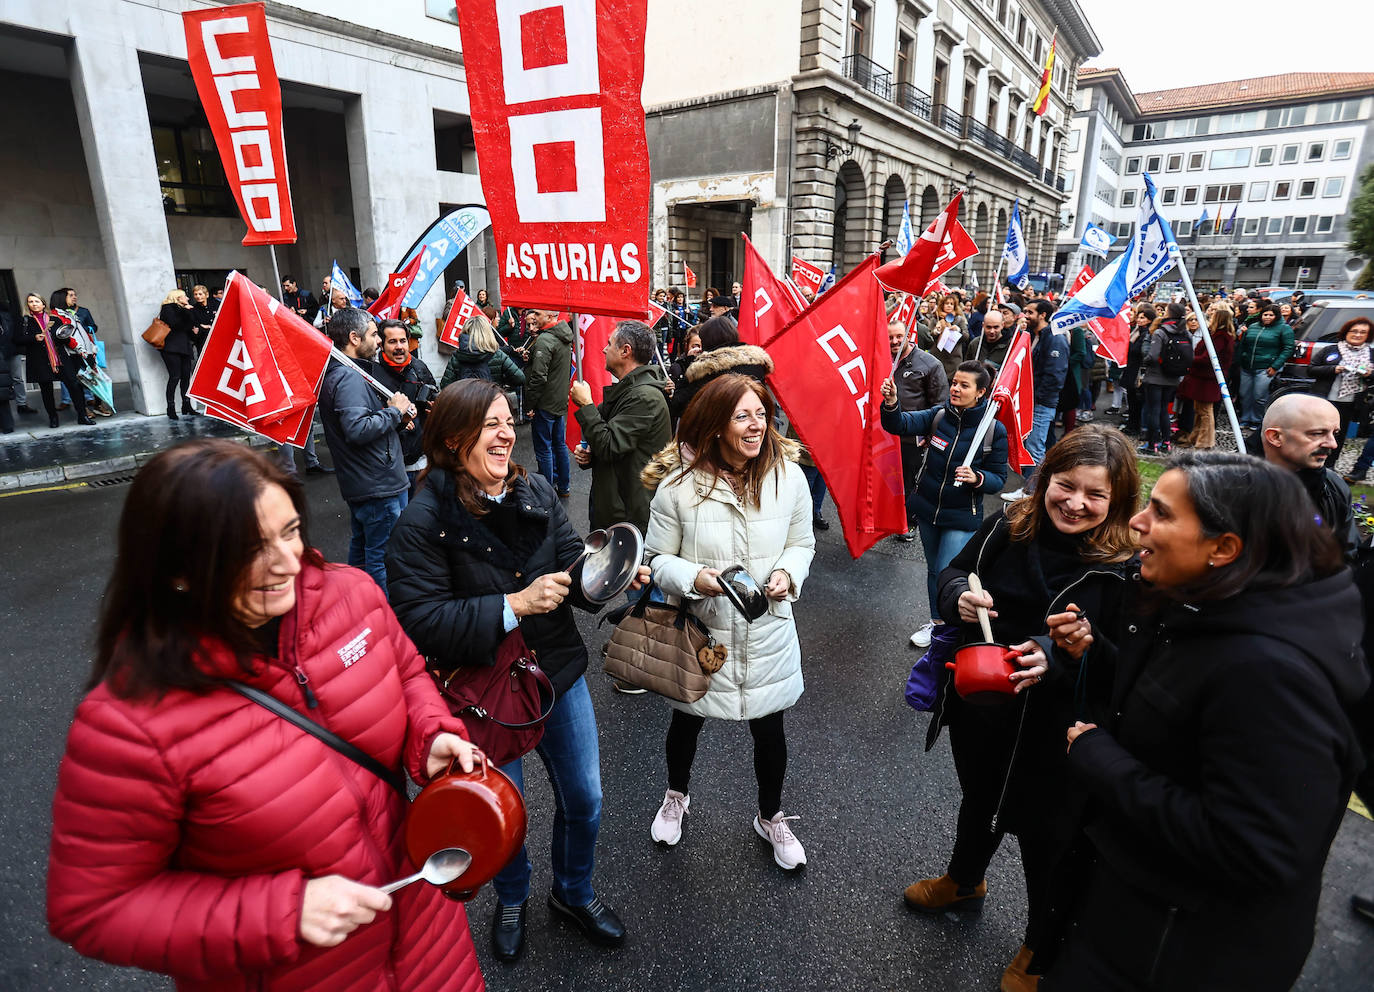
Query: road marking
x=44, y=489
x=1360, y=808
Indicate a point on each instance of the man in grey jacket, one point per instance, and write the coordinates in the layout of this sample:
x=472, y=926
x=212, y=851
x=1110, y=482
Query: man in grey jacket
x=921, y=385
x=546, y=396
x=361, y=431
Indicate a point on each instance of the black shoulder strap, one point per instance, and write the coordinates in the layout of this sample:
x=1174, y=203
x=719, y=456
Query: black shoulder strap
x=355, y=754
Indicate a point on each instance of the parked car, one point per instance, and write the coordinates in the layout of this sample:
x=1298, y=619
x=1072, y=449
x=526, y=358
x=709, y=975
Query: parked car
x=1278, y=294
x=1316, y=329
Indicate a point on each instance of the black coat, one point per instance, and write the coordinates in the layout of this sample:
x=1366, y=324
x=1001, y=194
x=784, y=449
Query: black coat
x=412, y=381
x=1220, y=785
x=182, y=335
x=9, y=347
x=448, y=574
x=37, y=368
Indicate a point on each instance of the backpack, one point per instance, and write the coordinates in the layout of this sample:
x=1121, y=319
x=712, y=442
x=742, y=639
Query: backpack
x=1177, y=355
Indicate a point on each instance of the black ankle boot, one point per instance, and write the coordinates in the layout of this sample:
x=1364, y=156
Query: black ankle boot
x=508, y=931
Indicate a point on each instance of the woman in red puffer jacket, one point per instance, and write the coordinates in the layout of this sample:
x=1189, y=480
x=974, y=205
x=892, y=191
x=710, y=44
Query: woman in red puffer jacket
x=195, y=832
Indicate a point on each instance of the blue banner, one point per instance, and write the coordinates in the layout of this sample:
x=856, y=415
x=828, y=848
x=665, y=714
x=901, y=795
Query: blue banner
x=446, y=239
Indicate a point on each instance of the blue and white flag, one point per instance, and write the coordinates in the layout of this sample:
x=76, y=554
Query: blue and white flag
x=905, y=237
x=1202, y=221
x=1096, y=241
x=827, y=282
x=338, y=280
x=1151, y=244
x=1014, y=252
x=445, y=239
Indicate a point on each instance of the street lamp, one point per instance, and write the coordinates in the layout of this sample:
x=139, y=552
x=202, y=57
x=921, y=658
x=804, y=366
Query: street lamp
x=832, y=150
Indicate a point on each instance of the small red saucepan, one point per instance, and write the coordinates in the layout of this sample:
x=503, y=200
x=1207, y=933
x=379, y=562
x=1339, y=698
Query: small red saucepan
x=981, y=670
x=481, y=812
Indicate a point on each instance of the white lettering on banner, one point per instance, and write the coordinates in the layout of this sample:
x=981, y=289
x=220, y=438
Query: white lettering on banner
x=258, y=181
x=857, y=390
x=592, y=262
x=586, y=203
x=762, y=303
x=249, y=390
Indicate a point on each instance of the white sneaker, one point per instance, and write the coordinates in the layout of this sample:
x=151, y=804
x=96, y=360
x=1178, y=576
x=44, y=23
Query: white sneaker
x=787, y=850
x=921, y=638
x=667, y=828
x=1012, y=497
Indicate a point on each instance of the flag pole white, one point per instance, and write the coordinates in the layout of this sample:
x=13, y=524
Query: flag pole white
x=370, y=379
x=985, y=425
x=992, y=297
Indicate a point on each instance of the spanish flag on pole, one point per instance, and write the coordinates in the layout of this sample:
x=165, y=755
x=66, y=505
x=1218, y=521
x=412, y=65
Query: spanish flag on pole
x=1042, y=99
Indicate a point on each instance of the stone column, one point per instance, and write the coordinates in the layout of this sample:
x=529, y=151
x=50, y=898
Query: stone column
x=395, y=186
x=118, y=143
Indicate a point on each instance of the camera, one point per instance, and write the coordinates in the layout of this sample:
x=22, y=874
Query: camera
x=425, y=394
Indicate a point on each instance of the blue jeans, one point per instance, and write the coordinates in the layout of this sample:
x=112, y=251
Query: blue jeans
x=941, y=544
x=372, y=523
x=551, y=449
x=1366, y=459
x=1154, y=422
x=572, y=758
x=1042, y=419
x=1254, y=394
x=817, y=485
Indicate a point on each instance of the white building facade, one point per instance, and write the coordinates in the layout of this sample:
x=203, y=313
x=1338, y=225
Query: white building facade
x=1282, y=155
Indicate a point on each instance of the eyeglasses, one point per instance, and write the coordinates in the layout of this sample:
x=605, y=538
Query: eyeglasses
x=745, y=418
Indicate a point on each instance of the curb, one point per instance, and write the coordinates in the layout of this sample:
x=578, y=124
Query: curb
x=11, y=482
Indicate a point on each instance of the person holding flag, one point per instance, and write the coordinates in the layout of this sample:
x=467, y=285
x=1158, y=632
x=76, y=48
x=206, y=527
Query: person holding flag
x=947, y=502
x=1014, y=251
x=546, y=397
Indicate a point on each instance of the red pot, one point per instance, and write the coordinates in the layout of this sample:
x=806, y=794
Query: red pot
x=480, y=811
x=980, y=673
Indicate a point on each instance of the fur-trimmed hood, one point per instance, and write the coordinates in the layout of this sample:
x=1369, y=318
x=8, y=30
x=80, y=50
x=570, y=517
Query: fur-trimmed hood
x=668, y=461
x=736, y=358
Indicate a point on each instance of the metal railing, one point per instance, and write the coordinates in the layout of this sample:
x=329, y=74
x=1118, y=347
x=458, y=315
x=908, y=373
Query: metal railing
x=950, y=121
x=912, y=100
x=868, y=74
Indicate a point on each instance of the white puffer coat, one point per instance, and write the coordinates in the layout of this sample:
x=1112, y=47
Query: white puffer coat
x=694, y=526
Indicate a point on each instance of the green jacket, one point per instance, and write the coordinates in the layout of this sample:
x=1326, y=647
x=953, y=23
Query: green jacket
x=1080, y=357
x=629, y=427
x=1265, y=347
x=550, y=370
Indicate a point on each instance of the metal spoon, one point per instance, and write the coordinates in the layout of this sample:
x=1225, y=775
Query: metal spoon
x=440, y=868
x=591, y=544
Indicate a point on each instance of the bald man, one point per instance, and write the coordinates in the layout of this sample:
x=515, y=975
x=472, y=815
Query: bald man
x=1299, y=432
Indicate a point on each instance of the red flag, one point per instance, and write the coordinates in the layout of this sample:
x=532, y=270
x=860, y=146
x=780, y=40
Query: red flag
x=768, y=304
x=231, y=62
x=1085, y=275
x=388, y=305
x=589, y=345
x=937, y=286
x=830, y=364
x=941, y=246
x=806, y=275
x=464, y=308
x=1014, y=395
x=559, y=126
x=904, y=312
x=260, y=364
x=1113, y=335
x=689, y=276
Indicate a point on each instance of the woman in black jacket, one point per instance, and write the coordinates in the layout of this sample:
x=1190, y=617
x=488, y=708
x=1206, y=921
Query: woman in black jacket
x=177, y=350
x=47, y=359
x=485, y=549
x=1136, y=352
x=1222, y=773
x=1067, y=548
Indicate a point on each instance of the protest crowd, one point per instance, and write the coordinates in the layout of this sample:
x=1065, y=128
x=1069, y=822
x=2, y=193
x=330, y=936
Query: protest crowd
x=1148, y=650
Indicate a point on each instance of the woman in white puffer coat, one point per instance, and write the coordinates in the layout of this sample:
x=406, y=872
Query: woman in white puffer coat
x=730, y=493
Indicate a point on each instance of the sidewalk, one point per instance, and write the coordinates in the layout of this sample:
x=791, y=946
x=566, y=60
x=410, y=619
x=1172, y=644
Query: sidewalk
x=39, y=455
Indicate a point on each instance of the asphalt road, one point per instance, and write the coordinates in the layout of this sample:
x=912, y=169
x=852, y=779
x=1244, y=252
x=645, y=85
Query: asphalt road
x=713, y=913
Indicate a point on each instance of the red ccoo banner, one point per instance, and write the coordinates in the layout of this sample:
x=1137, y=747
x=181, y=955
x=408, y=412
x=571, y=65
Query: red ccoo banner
x=556, y=114
x=231, y=61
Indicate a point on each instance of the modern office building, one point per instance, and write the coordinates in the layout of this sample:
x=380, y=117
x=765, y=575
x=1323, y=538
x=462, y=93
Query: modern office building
x=1270, y=162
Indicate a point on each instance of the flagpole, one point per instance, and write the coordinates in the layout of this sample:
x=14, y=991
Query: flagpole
x=370, y=379
x=276, y=272
x=994, y=405
x=996, y=275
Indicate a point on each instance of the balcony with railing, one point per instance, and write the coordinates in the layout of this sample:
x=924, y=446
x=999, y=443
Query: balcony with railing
x=868, y=74
x=949, y=120
x=912, y=100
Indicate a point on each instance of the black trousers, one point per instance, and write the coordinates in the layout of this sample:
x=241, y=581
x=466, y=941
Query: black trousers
x=913, y=457
x=77, y=392
x=178, y=372
x=1346, y=411
x=6, y=417
x=770, y=756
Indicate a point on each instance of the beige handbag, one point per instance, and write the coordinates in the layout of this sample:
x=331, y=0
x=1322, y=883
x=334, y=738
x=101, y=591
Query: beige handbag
x=156, y=334
x=662, y=648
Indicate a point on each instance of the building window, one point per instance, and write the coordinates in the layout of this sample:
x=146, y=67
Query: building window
x=1316, y=151
x=1128, y=197
x=1289, y=155
x=1251, y=226
x=1153, y=162
x=1265, y=156
x=1133, y=166
x=1341, y=149
x=1122, y=230
x=860, y=15
x=1230, y=158
x=1299, y=226
x=1074, y=136
x=1273, y=226
x=442, y=10
x=1224, y=194
x=1324, y=224
x=1190, y=194
x=904, y=44
x=937, y=89
x=1307, y=189
x=1169, y=196
x=1259, y=191
x=188, y=166
x=1183, y=228
x=1069, y=176
x=1174, y=163
x=1334, y=186
x=1283, y=190
x=1195, y=160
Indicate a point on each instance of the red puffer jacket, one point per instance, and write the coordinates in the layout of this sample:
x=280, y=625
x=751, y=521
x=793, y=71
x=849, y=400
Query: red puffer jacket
x=186, y=827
